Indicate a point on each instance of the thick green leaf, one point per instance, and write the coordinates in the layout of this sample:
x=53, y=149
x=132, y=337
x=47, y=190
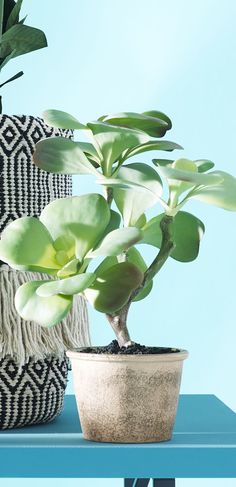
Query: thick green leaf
x=141, y=221
x=84, y=218
x=71, y=268
x=130, y=202
x=6, y=7
x=144, y=292
x=177, y=186
x=65, y=243
x=222, y=194
x=117, y=242
x=151, y=125
x=63, y=156
x=113, y=287
x=204, y=165
x=3, y=61
x=22, y=39
x=44, y=311
x=111, y=141
x=14, y=15
x=2, y=4
x=71, y=285
x=152, y=145
x=163, y=162
x=119, y=183
x=134, y=256
x=160, y=115
x=188, y=231
x=22, y=21
x=114, y=222
x=105, y=265
x=1, y=17
x=26, y=242
x=93, y=162
x=62, y=120
x=194, y=178
x=90, y=151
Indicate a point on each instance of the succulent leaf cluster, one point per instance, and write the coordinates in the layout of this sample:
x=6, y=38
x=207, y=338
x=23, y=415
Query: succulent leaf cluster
x=89, y=244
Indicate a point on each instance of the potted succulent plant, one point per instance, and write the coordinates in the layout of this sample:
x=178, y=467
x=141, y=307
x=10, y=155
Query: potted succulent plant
x=125, y=392
x=33, y=365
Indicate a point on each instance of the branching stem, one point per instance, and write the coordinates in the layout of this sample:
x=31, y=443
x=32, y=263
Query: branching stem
x=118, y=321
x=167, y=245
x=108, y=195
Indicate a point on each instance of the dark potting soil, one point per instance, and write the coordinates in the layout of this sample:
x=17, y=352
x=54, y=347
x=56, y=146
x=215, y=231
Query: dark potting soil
x=135, y=349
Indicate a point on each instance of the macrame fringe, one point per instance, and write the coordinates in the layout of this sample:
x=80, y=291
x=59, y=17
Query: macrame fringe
x=22, y=339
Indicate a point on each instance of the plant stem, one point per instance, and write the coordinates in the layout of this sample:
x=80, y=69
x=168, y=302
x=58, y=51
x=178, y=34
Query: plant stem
x=118, y=323
x=173, y=199
x=167, y=245
x=13, y=78
x=16, y=76
x=108, y=195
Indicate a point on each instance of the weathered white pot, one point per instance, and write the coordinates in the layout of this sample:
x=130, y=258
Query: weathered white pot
x=127, y=398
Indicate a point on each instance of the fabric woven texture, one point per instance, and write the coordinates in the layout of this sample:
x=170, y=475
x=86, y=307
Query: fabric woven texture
x=31, y=394
x=25, y=189
x=33, y=366
x=24, y=340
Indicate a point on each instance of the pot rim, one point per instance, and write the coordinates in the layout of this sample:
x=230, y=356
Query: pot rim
x=178, y=356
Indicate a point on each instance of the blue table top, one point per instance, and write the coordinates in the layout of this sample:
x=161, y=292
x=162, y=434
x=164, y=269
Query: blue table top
x=203, y=445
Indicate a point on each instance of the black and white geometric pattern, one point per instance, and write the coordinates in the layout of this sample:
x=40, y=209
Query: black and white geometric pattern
x=25, y=189
x=33, y=393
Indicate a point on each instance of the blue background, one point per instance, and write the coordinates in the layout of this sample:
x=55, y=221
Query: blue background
x=179, y=57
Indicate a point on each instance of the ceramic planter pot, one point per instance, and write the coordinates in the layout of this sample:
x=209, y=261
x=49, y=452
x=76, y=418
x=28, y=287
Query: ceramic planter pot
x=127, y=398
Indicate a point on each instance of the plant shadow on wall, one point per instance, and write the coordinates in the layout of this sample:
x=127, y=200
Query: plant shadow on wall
x=72, y=233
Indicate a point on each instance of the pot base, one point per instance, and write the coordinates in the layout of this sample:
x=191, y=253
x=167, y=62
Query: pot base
x=127, y=441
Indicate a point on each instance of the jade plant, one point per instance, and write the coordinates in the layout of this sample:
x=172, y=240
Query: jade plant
x=89, y=244
x=16, y=38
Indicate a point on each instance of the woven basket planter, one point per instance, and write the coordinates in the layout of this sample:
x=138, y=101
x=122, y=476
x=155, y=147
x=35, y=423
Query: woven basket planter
x=33, y=366
x=33, y=393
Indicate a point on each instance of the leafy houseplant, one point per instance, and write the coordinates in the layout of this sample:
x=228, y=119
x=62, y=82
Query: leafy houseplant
x=33, y=365
x=16, y=38
x=72, y=233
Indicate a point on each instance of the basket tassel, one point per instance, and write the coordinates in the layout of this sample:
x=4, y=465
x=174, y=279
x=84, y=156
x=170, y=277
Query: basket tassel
x=22, y=339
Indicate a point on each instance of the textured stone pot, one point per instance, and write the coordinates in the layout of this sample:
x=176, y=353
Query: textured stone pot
x=127, y=399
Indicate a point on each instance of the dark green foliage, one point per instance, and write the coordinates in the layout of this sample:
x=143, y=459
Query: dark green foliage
x=16, y=38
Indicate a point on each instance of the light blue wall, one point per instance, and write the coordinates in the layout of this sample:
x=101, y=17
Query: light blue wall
x=179, y=57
